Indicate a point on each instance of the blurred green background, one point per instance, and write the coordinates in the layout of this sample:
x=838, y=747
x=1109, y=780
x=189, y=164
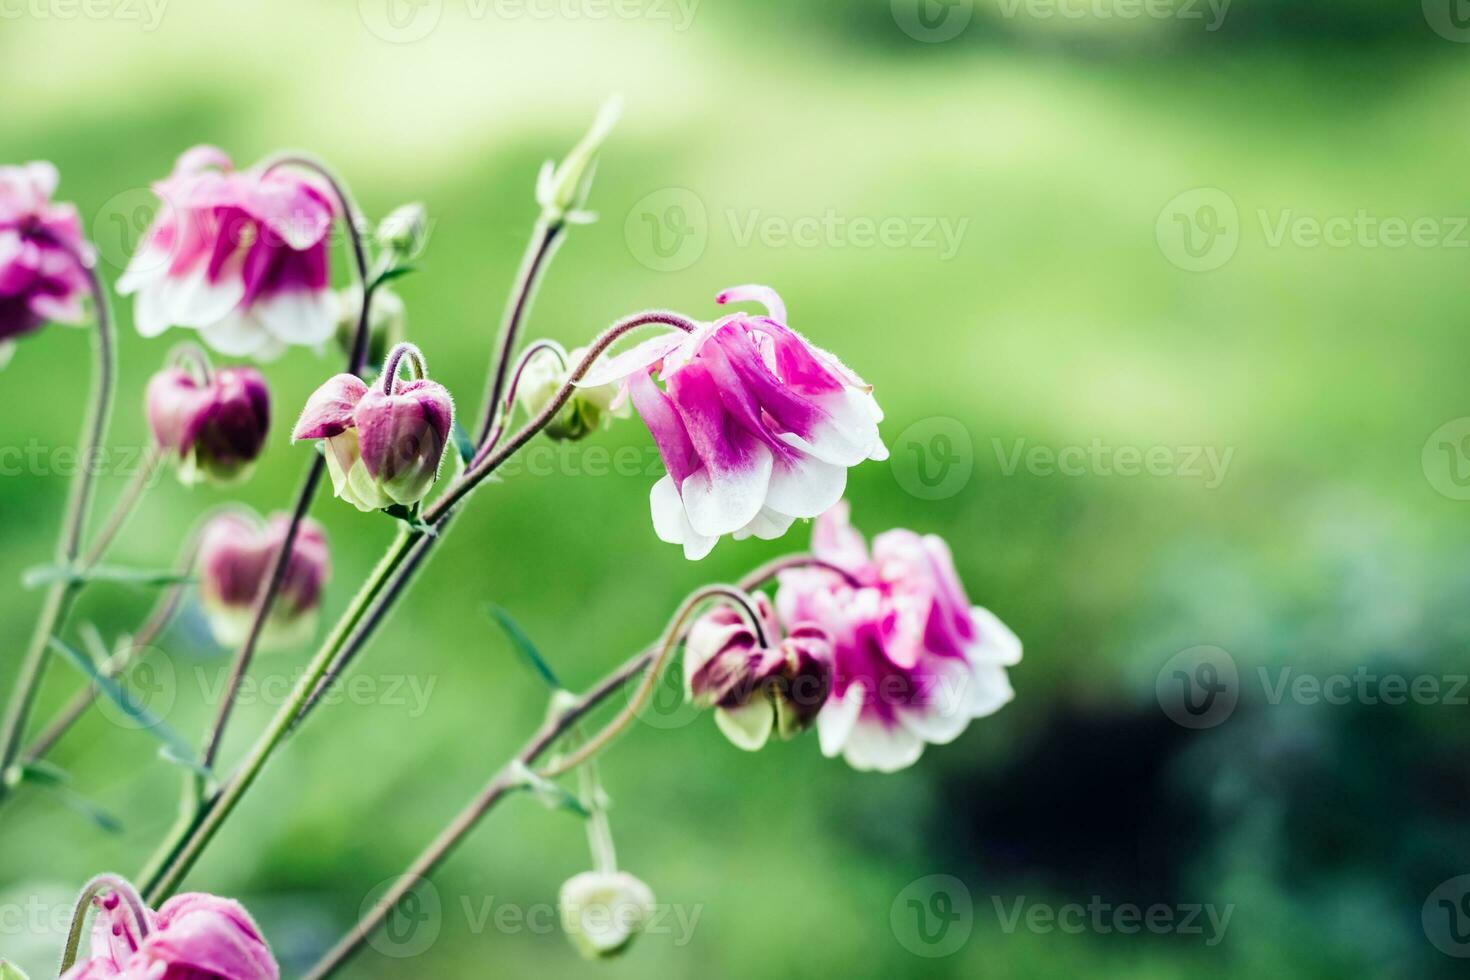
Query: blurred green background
x=1130, y=203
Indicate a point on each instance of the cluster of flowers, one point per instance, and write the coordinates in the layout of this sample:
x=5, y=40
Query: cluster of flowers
x=877, y=647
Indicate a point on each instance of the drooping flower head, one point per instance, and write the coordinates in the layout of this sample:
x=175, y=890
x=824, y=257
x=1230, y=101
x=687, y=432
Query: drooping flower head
x=240, y=256
x=40, y=242
x=235, y=555
x=586, y=411
x=384, y=443
x=757, y=689
x=914, y=662
x=213, y=422
x=191, y=937
x=602, y=911
x=756, y=426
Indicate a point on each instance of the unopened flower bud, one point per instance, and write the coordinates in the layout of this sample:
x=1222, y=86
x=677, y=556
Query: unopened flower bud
x=235, y=557
x=562, y=189
x=756, y=690
x=383, y=443
x=601, y=911
x=215, y=428
x=587, y=410
x=405, y=231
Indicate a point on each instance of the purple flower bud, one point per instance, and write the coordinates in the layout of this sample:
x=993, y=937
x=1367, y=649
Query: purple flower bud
x=216, y=428
x=384, y=443
x=40, y=279
x=191, y=937
x=753, y=689
x=235, y=556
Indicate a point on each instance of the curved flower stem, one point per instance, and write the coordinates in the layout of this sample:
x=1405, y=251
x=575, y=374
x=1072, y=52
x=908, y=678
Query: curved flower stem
x=125, y=893
x=527, y=355
x=544, y=238
x=61, y=595
x=265, y=600
x=400, y=352
x=772, y=568
x=157, y=621
x=485, y=466
x=507, y=777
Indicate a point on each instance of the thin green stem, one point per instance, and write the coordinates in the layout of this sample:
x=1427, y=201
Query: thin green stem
x=61, y=595
x=103, y=882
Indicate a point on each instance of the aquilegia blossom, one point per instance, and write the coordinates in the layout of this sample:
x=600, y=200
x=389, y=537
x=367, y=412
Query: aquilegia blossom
x=40, y=280
x=756, y=689
x=235, y=555
x=384, y=443
x=240, y=256
x=215, y=427
x=756, y=426
x=602, y=911
x=914, y=662
x=191, y=937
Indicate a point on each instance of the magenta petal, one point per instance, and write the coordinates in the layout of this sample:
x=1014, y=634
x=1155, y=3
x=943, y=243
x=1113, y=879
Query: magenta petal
x=405, y=432
x=662, y=418
x=330, y=408
x=753, y=293
x=205, y=936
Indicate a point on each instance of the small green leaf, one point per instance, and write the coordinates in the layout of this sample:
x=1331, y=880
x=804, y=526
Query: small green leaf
x=113, y=691
x=58, y=781
x=463, y=442
x=397, y=272
x=523, y=645
x=44, y=773
x=552, y=795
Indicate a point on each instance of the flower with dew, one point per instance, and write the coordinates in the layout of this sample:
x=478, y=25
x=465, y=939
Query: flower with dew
x=587, y=410
x=601, y=911
x=913, y=661
x=40, y=246
x=756, y=426
x=384, y=443
x=757, y=689
x=214, y=424
x=236, y=552
x=240, y=256
x=191, y=937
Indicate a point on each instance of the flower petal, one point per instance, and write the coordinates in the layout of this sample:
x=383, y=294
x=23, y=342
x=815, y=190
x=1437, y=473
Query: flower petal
x=330, y=408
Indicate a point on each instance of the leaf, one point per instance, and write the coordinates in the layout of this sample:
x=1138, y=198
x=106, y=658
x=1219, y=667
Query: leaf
x=169, y=754
x=463, y=442
x=42, y=575
x=58, y=781
x=397, y=272
x=523, y=645
x=113, y=691
x=552, y=795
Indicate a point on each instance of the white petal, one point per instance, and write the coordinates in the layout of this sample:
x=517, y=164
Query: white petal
x=990, y=690
x=191, y=300
x=147, y=266
x=301, y=316
x=948, y=690
x=730, y=501
x=805, y=486
x=748, y=726
x=239, y=334
x=768, y=525
x=837, y=718
x=635, y=358
x=874, y=746
x=997, y=644
x=149, y=316
x=671, y=523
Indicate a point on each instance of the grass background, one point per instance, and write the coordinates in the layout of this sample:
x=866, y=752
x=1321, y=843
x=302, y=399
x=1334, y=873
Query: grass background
x=1060, y=320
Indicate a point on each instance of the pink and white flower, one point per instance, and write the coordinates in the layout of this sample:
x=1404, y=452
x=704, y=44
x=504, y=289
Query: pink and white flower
x=191, y=937
x=914, y=662
x=214, y=426
x=236, y=553
x=40, y=243
x=756, y=426
x=240, y=256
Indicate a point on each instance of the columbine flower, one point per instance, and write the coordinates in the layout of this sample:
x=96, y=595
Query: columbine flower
x=191, y=937
x=602, y=911
x=754, y=689
x=756, y=426
x=40, y=280
x=384, y=443
x=215, y=427
x=914, y=662
x=584, y=413
x=235, y=556
x=240, y=256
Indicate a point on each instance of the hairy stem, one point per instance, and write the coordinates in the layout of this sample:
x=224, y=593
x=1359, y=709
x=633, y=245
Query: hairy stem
x=60, y=596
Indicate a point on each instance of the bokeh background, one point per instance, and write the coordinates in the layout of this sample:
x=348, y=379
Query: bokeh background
x=1236, y=232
